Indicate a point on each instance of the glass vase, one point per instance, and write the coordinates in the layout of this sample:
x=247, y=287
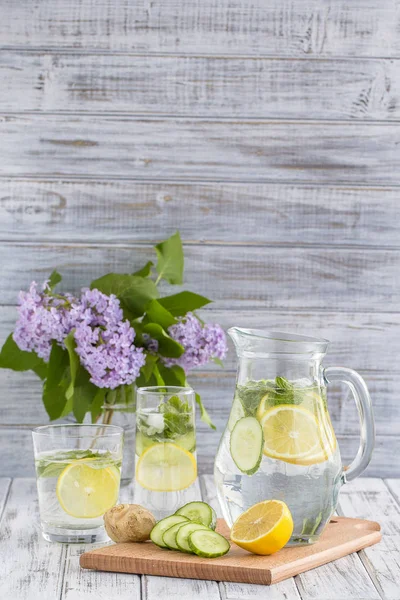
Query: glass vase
x=119, y=409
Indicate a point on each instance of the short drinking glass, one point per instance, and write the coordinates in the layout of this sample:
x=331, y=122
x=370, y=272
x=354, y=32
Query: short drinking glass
x=78, y=470
x=166, y=466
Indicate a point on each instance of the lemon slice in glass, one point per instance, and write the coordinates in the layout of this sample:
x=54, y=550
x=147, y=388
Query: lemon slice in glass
x=166, y=467
x=264, y=528
x=293, y=434
x=86, y=492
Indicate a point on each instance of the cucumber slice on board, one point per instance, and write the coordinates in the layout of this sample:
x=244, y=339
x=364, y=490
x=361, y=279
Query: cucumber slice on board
x=182, y=535
x=199, y=512
x=246, y=445
x=156, y=534
x=208, y=544
x=169, y=536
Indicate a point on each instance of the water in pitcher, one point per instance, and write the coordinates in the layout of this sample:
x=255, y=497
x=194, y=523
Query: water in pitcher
x=299, y=460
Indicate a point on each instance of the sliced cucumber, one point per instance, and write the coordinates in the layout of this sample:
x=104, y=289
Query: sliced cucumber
x=237, y=412
x=169, y=536
x=186, y=441
x=247, y=441
x=143, y=442
x=182, y=535
x=208, y=544
x=156, y=534
x=199, y=512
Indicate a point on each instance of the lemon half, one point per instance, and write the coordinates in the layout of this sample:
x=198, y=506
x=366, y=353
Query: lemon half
x=264, y=528
x=166, y=467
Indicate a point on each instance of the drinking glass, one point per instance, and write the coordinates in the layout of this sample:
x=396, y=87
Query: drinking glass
x=78, y=470
x=166, y=465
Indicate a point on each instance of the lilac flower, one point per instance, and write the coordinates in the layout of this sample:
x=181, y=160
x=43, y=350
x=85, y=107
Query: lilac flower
x=41, y=319
x=104, y=342
x=150, y=343
x=96, y=308
x=201, y=344
x=108, y=354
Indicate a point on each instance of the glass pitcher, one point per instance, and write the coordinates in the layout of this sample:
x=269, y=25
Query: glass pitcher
x=279, y=442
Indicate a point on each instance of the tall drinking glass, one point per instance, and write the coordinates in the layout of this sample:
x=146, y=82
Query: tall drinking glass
x=166, y=465
x=78, y=470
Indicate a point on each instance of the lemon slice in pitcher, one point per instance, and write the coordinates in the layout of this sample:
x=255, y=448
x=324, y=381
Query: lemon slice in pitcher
x=293, y=434
x=166, y=467
x=86, y=492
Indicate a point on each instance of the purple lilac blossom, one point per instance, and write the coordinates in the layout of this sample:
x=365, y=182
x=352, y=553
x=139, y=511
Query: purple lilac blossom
x=41, y=319
x=150, y=343
x=201, y=343
x=104, y=342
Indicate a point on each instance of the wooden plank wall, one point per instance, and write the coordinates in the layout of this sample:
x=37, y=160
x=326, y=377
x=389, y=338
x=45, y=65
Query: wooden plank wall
x=266, y=132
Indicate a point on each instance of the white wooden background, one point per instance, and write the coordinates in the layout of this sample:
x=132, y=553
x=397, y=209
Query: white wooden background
x=268, y=133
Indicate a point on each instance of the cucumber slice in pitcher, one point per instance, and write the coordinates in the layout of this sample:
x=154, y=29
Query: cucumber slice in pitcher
x=237, y=413
x=182, y=535
x=208, y=544
x=199, y=512
x=246, y=445
x=156, y=534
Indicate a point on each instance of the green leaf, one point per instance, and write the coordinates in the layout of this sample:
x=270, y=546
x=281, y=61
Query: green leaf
x=54, y=389
x=141, y=381
x=178, y=417
x=157, y=375
x=84, y=394
x=170, y=259
x=148, y=367
x=46, y=467
x=174, y=375
x=96, y=406
x=166, y=345
x=182, y=303
x=73, y=362
x=134, y=292
x=218, y=361
x=283, y=384
x=180, y=375
x=67, y=408
x=54, y=279
x=204, y=416
x=11, y=357
x=156, y=313
x=145, y=271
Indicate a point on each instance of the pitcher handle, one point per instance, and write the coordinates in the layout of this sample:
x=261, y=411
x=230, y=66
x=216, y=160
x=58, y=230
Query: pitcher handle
x=362, y=399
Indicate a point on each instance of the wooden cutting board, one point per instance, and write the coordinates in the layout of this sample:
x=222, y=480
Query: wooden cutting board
x=342, y=536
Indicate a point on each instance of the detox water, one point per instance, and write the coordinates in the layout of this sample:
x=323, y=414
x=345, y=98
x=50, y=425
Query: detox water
x=166, y=460
x=299, y=461
x=72, y=486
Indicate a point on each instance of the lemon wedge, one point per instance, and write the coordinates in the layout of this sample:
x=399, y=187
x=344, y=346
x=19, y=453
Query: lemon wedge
x=166, y=467
x=264, y=528
x=86, y=492
x=293, y=434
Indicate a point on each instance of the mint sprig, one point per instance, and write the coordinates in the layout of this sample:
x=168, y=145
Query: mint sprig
x=177, y=420
x=275, y=391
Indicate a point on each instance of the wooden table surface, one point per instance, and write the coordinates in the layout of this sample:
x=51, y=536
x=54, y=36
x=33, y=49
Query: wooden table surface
x=32, y=569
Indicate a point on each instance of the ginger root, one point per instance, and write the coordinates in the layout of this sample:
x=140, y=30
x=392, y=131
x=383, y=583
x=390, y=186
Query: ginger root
x=129, y=523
